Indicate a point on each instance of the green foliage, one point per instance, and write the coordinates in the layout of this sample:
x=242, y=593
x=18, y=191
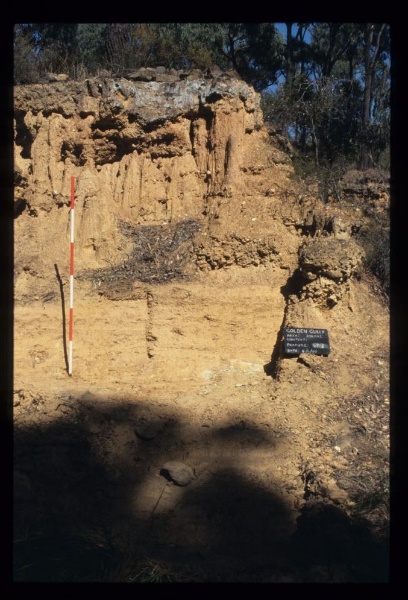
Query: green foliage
x=255, y=51
x=129, y=46
x=57, y=45
x=323, y=116
x=92, y=45
x=188, y=45
x=26, y=65
x=336, y=49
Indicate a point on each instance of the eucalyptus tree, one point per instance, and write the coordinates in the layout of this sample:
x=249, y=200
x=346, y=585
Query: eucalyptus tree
x=92, y=42
x=188, y=45
x=25, y=56
x=116, y=47
x=358, y=55
x=255, y=51
x=376, y=72
x=56, y=45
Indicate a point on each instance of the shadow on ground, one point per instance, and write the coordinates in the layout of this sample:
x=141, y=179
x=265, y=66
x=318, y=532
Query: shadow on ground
x=90, y=505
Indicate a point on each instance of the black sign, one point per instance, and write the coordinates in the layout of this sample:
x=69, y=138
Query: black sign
x=300, y=339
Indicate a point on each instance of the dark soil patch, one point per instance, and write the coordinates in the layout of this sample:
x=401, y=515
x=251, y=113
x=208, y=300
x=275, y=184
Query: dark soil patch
x=73, y=521
x=161, y=253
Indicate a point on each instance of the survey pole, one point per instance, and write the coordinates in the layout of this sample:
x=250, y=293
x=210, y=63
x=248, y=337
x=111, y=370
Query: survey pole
x=71, y=275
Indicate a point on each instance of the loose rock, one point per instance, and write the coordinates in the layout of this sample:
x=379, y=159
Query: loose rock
x=178, y=472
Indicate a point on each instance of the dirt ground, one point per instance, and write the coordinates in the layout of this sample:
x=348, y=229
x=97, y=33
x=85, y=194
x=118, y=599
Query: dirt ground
x=289, y=465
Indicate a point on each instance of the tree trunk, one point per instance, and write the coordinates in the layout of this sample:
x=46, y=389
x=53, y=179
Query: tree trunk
x=369, y=66
x=290, y=68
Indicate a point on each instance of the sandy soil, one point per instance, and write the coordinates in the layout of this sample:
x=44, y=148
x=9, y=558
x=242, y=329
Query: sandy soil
x=283, y=455
x=188, y=232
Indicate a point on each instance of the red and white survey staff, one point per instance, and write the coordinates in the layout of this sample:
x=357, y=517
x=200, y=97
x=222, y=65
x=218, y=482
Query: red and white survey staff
x=71, y=276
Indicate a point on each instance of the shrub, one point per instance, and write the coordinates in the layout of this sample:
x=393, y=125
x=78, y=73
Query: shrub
x=376, y=242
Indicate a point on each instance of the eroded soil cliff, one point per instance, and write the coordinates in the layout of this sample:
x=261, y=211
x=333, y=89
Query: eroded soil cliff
x=195, y=245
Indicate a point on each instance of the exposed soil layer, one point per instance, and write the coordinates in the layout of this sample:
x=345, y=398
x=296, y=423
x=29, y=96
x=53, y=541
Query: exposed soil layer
x=185, y=447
